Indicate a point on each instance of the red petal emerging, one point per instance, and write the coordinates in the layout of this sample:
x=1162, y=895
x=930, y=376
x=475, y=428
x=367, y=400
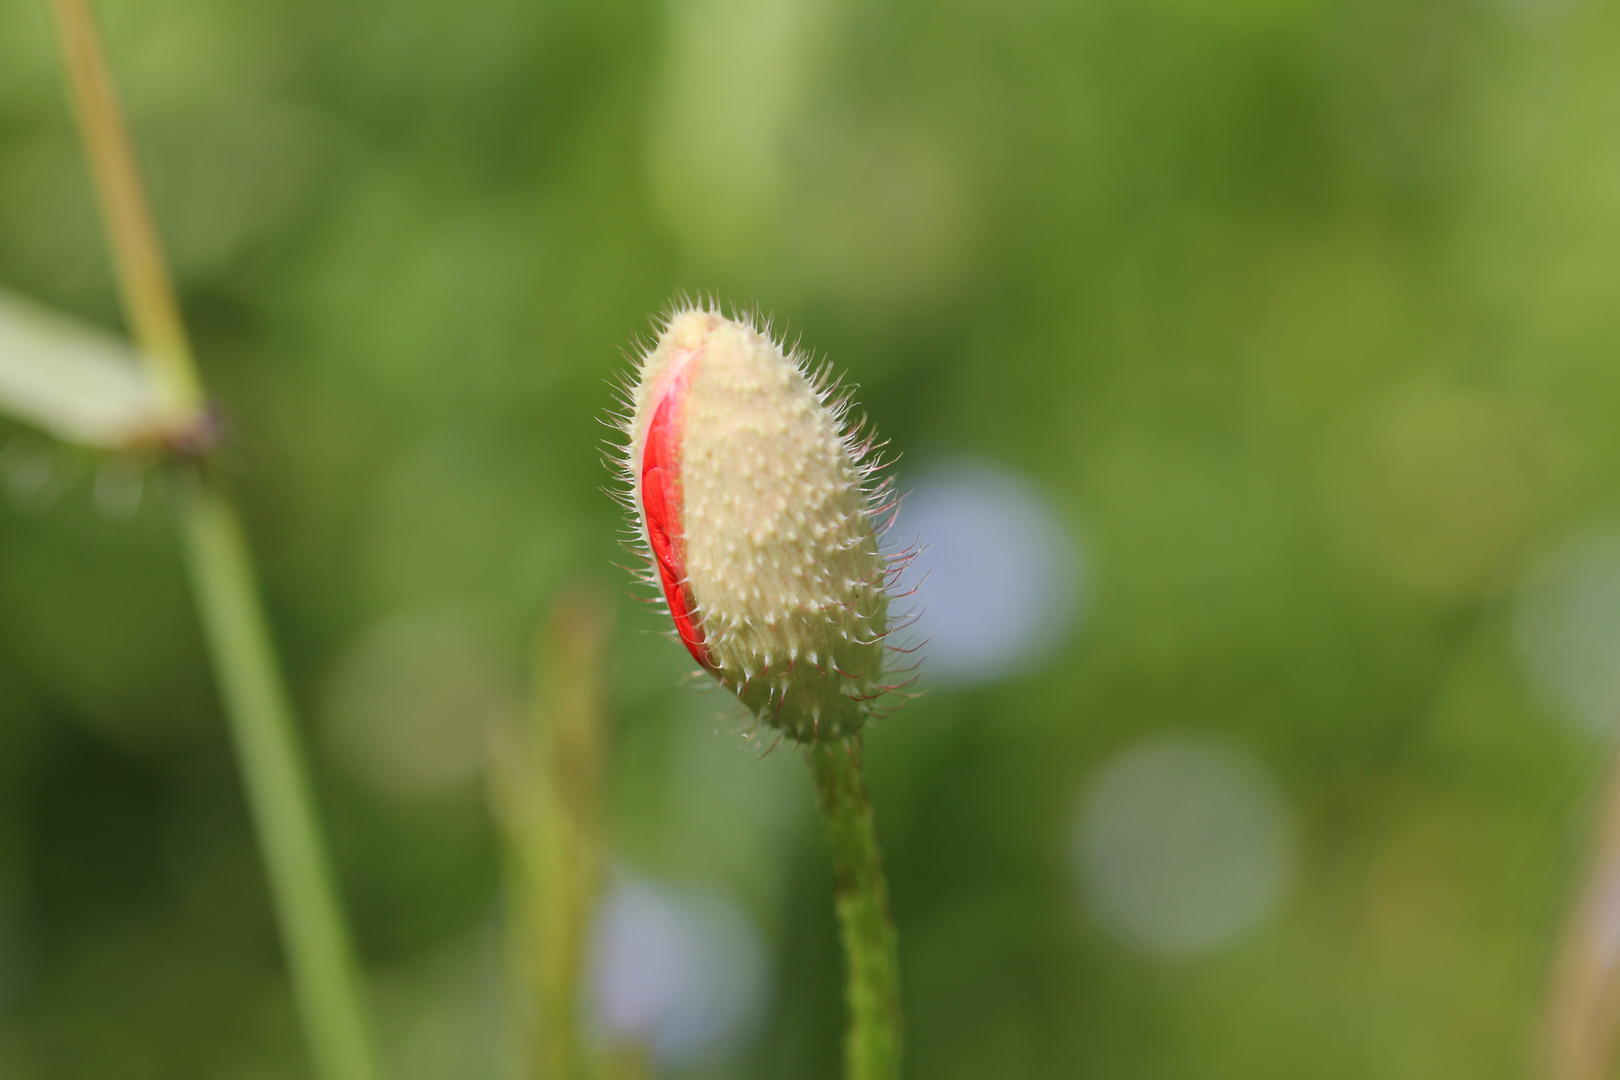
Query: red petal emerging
x=661, y=505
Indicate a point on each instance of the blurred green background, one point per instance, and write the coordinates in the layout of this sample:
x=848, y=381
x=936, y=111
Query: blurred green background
x=1300, y=314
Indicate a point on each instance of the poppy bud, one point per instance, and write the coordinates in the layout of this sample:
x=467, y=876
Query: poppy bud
x=758, y=513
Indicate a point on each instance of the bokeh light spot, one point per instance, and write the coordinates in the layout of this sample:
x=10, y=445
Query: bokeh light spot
x=408, y=707
x=1180, y=845
x=1433, y=486
x=1567, y=628
x=998, y=580
x=682, y=973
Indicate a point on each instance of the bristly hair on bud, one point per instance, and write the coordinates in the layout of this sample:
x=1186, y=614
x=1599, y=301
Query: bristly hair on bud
x=758, y=509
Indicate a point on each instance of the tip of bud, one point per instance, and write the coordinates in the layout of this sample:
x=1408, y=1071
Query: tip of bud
x=689, y=329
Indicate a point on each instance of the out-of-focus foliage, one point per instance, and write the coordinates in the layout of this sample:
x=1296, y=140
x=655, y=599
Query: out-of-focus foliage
x=1302, y=314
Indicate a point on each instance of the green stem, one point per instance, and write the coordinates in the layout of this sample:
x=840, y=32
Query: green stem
x=132, y=238
x=872, y=1045
x=325, y=982
x=548, y=797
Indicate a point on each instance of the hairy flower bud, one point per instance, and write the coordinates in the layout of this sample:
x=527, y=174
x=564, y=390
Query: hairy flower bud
x=756, y=510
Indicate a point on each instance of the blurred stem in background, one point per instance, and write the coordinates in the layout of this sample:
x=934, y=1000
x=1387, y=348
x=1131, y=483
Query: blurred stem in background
x=320, y=956
x=548, y=800
x=1583, y=1003
x=872, y=1045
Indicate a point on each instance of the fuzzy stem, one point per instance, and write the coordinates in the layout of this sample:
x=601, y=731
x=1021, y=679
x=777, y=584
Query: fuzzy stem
x=325, y=979
x=872, y=986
